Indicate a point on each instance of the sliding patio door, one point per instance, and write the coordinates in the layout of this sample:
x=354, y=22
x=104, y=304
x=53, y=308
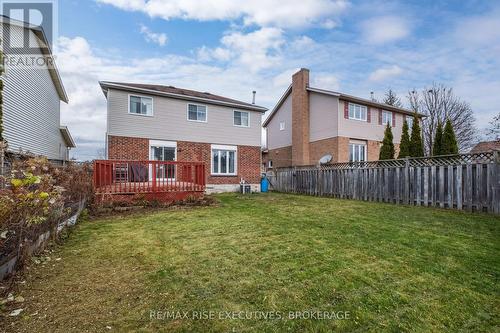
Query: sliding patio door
x=163, y=151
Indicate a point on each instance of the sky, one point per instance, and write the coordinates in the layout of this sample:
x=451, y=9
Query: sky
x=234, y=47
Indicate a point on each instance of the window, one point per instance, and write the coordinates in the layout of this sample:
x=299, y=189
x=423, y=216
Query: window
x=223, y=160
x=140, y=105
x=197, y=113
x=387, y=118
x=270, y=164
x=241, y=118
x=357, y=152
x=357, y=112
x=282, y=125
x=409, y=121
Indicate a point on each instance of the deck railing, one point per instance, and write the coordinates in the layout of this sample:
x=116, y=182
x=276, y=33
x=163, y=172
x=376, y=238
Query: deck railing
x=136, y=177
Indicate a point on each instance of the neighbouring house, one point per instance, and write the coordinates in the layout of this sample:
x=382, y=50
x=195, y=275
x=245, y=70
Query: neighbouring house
x=486, y=146
x=308, y=123
x=32, y=95
x=155, y=122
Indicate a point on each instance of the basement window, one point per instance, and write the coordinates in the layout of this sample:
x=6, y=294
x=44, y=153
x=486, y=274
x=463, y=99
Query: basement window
x=357, y=152
x=224, y=160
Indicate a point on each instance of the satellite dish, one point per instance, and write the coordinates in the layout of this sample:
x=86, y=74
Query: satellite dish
x=325, y=159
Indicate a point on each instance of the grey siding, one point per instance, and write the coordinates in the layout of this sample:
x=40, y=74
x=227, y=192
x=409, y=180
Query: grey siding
x=323, y=121
x=32, y=109
x=275, y=137
x=169, y=122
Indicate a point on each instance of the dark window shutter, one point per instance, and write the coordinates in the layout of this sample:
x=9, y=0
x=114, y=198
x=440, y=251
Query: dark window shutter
x=394, y=119
x=346, y=110
x=380, y=116
x=368, y=114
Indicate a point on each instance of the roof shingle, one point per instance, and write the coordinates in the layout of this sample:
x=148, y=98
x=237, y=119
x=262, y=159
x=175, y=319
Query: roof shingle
x=183, y=92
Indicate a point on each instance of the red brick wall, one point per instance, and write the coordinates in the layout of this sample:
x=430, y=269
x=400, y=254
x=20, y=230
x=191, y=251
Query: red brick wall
x=248, y=159
x=281, y=157
x=126, y=148
x=300, y=118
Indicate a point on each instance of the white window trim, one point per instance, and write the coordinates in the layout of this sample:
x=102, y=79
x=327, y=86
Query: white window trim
x=141, y=96
x=409, y=122
x=390, y=118
x=270, y=164
x=158, y=143
x=248, y=113
x=223, y=147
x=354, y=118
x=354, y=143
x=284, y=126
x=197, y=121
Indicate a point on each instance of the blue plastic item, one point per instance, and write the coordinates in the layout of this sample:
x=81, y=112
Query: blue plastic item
x=264, y=185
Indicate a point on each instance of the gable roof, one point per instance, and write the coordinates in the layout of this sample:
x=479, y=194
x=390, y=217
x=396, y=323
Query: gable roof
x=486, y=146
x=46, y=51
x=180, y=93
x=341, y=96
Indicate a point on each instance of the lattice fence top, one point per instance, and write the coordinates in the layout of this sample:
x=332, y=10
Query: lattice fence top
x=448, y=160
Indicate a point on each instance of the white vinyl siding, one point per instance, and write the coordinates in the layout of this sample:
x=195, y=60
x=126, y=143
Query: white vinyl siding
x=386, y=118
x=140, y=105
x=31, y=108
x=197, y=113
x=357, y=152
x=241, y=118
x=223, y=161
x=358, y=112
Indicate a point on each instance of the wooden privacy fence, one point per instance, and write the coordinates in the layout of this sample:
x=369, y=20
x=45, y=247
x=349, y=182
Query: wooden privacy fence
x=470, y=182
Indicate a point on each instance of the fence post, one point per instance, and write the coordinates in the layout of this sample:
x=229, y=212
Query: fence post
x=154, y=176
x=320, y=181
x=495, y=191
x=407, y=181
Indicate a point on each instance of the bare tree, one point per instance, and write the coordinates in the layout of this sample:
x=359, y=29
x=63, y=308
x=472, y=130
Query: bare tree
x=493, y=131
x=439, y=103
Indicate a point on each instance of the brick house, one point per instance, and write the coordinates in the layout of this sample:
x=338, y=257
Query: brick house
x=153, y=122
x=308, y=123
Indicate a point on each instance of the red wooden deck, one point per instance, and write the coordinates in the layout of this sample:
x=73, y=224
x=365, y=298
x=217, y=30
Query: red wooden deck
x=122, y=180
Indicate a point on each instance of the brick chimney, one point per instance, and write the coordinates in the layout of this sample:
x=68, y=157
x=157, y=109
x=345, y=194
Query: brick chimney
x=300, y=118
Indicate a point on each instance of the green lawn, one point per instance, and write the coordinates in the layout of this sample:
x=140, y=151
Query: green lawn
x=387, y=268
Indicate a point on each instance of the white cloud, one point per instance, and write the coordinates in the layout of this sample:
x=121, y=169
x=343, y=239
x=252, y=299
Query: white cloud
x=385, y=29
x=153, y=37
x=256, y=50
x=480, y=30
x=382, y=74
x=325, y=81
x=284, y=79
x=289, y=14
x=303, y=42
